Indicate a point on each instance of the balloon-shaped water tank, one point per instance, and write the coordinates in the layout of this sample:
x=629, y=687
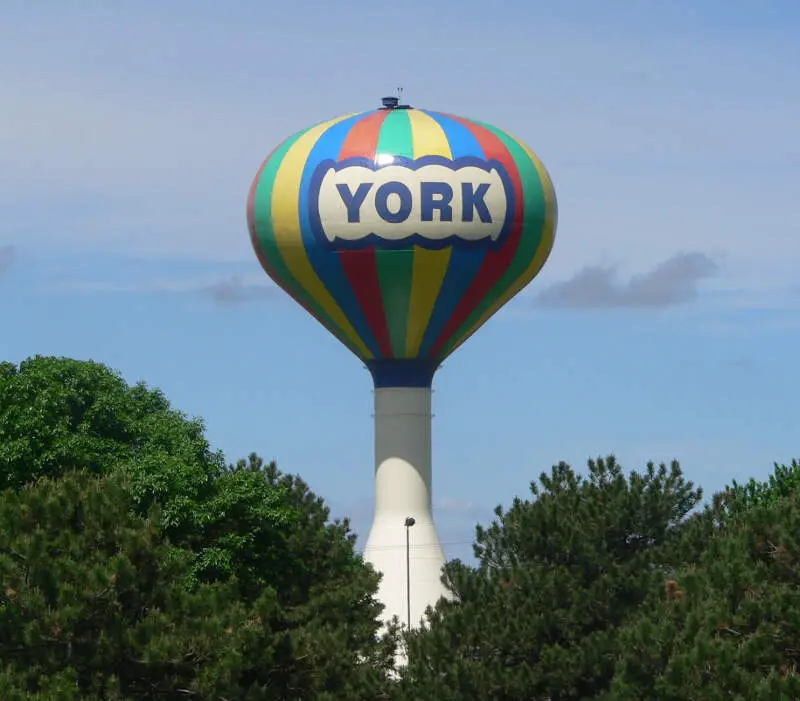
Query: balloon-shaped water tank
x=402, y=231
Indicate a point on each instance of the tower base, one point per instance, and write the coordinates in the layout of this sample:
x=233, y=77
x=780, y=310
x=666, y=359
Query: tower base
x=386, y=552
x=409, y=557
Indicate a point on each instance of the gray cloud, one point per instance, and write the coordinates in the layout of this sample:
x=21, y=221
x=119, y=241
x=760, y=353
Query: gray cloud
x=7, y=256
x=236, y=291
x=673, y=282
x=743, y=363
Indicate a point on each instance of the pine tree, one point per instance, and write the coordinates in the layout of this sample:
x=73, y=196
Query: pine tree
x=727, y=625
x=93, y=603
x=558, y=575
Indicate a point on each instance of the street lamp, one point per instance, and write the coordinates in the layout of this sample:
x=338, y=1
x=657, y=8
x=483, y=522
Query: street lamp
x=410, y=521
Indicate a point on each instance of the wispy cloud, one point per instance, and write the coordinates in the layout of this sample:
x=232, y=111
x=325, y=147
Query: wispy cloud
x=673, y=282
x=7, y=256
x=234, y=290
x=237, y=291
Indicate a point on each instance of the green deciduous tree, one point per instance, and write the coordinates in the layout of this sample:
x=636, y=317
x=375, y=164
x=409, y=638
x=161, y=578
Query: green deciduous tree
x=58, y=415
x=558, y=575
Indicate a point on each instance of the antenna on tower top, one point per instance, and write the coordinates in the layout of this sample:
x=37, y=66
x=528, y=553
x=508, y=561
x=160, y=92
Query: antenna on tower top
x=394, y=103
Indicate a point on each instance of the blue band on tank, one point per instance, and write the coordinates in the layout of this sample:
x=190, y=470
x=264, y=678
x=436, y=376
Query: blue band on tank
x=402, y=373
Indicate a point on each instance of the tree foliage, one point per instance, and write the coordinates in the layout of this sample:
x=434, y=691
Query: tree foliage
x=728, y=625
x=59, y=415
x=136, y=564
x=248, y=581
x=612, y=588
x=782, y=483
x=558, y=575
x=94, y=606
x=92, y=597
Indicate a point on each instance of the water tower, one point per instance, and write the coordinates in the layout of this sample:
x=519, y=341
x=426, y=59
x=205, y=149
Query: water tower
x=402, y=231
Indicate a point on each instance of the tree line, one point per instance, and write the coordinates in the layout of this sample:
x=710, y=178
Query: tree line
x=136, y=563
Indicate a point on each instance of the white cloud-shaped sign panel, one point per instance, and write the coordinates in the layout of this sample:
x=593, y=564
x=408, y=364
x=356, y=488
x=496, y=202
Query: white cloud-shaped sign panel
x=431, y=202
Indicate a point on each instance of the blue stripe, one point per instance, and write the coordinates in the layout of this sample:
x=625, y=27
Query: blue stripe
x=326, y=263
x=464, y=263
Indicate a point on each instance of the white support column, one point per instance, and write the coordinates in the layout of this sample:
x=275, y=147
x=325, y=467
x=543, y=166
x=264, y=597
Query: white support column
x=403, y=490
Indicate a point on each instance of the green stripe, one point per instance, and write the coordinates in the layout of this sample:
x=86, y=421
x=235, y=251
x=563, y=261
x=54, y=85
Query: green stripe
x=395, y=268
x=532, y=230
x=262, y=210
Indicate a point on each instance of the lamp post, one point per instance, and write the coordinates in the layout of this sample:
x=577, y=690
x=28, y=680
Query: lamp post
x=410, y=521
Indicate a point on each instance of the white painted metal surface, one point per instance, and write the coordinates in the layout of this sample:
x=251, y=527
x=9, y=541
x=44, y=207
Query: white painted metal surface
x=402, y=490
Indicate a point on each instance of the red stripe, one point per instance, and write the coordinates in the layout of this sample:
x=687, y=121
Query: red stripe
x=361, y=267
x=495, y=263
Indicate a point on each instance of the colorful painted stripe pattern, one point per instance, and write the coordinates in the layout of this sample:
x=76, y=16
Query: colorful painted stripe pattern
x=409, y=303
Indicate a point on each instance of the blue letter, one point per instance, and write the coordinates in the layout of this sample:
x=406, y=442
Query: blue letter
x=444, y=193
x=381, y=202
x=474, y=200
x=352, y=201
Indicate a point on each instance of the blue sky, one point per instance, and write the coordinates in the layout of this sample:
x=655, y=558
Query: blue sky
x=665, y=323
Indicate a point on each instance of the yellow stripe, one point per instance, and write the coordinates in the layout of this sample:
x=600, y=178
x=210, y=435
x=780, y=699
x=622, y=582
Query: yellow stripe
x=542, y=252
x=429, y=266
x=286, y=225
